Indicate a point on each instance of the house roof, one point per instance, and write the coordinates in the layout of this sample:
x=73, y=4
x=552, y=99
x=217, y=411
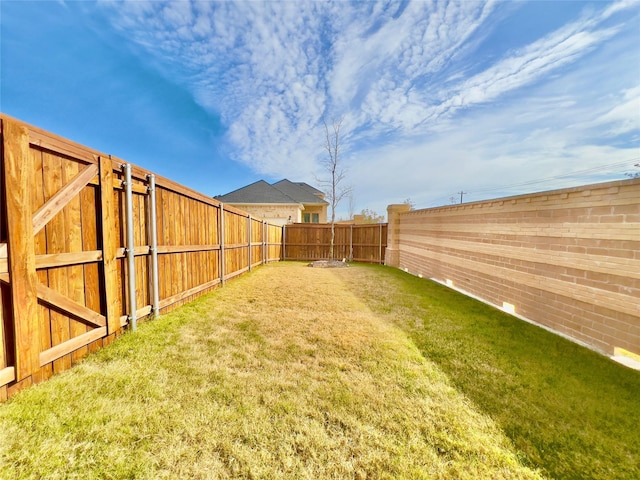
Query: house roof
x=258, y=192
x=300, y=191
x=283, y=191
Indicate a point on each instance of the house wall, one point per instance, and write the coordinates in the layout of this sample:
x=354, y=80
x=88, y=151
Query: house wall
x=321, y=210
x=567, y=259
x=277, y=213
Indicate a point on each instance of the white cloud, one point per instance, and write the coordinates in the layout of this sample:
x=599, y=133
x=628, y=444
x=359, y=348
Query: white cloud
x=524, y=67
x=624, y=116
x=490, y=150
x=401, y=79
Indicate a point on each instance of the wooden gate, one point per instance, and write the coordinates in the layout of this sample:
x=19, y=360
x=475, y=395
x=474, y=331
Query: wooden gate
x=58, y=264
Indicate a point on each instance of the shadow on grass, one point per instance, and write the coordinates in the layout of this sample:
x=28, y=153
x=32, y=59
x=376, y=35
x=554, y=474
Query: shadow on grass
x=569, y=411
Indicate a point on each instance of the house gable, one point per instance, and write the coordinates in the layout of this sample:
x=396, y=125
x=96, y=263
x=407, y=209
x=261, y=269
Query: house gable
x=301, y=192
x=257, y=192
x=281, y=202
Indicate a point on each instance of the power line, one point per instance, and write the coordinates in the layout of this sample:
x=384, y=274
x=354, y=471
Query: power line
x=600, y=168
x=559, y=177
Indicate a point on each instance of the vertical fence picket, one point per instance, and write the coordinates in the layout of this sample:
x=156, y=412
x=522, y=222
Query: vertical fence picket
x=351, y=243
x=21, y=249
x=380, y=245
x=284, y=236
x=249, y=220
x=360, y=243
x=221, y=233
x=107, y=228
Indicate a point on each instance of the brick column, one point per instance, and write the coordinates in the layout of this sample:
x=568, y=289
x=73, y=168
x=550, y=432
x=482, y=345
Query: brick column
x=392, y=253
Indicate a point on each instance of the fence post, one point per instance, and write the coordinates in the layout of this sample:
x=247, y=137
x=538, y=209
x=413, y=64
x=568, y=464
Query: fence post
x=221, y=223
x=130, y=249
x=21, y=249
x=266, y=242
x=351, y=244
x=284, y=244
x=380, y=245
x=265, y=254
x=153, y=247
x=109, y=247
x=392, y=255
x=250, y=247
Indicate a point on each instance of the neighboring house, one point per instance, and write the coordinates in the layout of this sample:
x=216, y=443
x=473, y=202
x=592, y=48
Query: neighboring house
x=281, y=202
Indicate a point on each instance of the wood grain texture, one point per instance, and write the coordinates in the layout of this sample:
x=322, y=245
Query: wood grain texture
x=7, y=375
x=63, y=196
x=68, y=306
x=73, y=244
x=90, y=204
x=109, y=246
x=22, y=264
x=40, y=241
x=64, y=349
x=71, y=260
x=363, y=243
x=5, y=318
x=56, y=230
x=44, y=261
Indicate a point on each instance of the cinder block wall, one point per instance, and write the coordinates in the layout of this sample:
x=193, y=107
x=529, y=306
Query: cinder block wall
x=567, y=259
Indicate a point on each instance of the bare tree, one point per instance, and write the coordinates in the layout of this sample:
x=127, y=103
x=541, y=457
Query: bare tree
x=371, y=216
x=333, y=185
x=411, y=203
x=634, y=174
x=352, y=206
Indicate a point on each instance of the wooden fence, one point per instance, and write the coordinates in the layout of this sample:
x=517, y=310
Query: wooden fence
x=359, y=243
x=90, y=244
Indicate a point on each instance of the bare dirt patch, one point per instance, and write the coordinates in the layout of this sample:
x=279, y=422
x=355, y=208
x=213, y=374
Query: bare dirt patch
x=329, y=264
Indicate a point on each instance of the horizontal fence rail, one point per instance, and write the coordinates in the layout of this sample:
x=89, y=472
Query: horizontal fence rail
x=312, y=241
x=89, y=244
x=567, y=259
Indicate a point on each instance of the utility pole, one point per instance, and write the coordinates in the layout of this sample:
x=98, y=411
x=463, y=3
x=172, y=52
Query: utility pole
x=461, y=194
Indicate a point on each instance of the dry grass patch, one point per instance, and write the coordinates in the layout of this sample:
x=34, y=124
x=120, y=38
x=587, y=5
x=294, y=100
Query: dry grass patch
x=284, y=373
x=568, y=411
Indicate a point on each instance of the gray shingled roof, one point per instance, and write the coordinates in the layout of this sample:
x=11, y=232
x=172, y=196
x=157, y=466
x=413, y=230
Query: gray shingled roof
x=311, y=189
x=258, y=192
x=300, y=191
x=283, y=191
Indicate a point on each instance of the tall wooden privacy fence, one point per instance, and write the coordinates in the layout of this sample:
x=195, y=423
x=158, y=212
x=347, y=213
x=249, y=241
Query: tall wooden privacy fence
x=89, y=244
x=359, y=243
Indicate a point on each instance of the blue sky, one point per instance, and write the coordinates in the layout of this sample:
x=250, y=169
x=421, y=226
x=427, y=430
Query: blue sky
x=489, y=98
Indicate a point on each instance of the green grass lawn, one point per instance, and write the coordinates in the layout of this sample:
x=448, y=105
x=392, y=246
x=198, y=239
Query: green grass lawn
x=364, y=372
x=568, y=411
